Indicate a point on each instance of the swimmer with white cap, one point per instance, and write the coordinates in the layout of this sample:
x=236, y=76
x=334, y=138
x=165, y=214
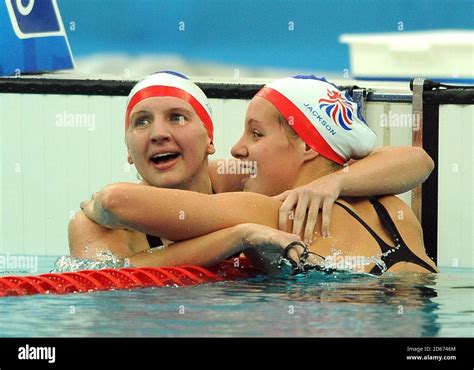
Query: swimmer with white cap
x=215, y=220
x=325, y=118
x=169, y=132
x=326, y=121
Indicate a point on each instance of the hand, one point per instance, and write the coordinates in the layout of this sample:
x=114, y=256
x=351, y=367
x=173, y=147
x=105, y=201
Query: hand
x=264, y=246
x=308, y=199
x=94, y=210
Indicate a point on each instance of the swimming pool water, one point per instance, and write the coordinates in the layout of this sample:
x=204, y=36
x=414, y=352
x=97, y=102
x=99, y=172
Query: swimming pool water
x=312, y=305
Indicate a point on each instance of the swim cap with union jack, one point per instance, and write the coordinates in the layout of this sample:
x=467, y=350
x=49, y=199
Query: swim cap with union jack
x=324, y=117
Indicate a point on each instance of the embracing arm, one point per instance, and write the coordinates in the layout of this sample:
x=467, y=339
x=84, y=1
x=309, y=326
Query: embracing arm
x=206, y=250
x=177, y=214
x=387, y=170
x=88, y=240
x=262, y=245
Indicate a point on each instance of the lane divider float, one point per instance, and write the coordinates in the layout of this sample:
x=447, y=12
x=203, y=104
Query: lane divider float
x=124, y=278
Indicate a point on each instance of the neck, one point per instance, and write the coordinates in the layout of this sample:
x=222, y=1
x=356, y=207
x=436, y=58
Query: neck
x=312, y=170
x=200, y=182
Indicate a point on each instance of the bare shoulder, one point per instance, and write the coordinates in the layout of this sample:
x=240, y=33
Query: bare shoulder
x=401, y=214
x=406, y=223
x=396, y=207
x=86, y=238
x=399, y=210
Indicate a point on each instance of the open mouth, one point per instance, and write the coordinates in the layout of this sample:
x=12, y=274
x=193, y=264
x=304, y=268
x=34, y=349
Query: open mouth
x=165, y=160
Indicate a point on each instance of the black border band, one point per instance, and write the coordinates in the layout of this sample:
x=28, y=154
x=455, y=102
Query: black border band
x=213, y=90
x=429, y=197
x=451, y=96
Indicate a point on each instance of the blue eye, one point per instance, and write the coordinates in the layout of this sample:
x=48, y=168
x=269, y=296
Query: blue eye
x=141, y=122
x=178, y=118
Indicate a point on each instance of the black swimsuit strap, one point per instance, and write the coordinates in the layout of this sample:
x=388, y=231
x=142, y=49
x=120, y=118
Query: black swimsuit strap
x=387, y=222
x=369, y=229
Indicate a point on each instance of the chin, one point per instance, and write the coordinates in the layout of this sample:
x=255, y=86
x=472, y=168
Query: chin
x=170, y=184
x=165, y=182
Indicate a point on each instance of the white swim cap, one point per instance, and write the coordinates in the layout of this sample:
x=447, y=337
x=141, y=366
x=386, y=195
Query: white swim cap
x=325, y=118
x=167, y=83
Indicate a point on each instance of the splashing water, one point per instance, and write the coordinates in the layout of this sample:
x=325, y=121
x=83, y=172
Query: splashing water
x=334, y=262
x=105, y=259
x=340, y=262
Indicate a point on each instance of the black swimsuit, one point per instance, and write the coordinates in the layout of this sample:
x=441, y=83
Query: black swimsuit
x=154, y=241
x=390, y=255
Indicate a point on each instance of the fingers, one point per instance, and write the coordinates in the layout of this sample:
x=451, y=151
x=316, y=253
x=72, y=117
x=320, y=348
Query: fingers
x=311, y=220
x=295, y=253
x=84, y=204
x=300, y=214
x=281, y=197
x=87, y=207
x=327, y=213
x=307, y=205
x=285, y=210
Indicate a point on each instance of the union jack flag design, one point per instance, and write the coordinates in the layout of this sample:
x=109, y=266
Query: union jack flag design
x=338, y=108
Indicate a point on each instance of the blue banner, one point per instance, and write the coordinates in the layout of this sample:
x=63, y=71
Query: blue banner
x=33, y=38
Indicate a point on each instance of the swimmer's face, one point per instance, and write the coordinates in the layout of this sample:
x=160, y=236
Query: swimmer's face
x=267, y=142
x=167, y=142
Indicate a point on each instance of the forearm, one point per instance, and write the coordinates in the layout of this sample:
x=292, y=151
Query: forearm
x=180, y=215
x=206, y=250
x=388, y=170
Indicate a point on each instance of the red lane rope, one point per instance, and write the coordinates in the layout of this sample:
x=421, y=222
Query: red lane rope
x=28, y=286
x=124, y=278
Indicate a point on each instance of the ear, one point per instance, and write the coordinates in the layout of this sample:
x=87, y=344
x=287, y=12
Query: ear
x=309, y=154
x=210, y=148
x=129, y=157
